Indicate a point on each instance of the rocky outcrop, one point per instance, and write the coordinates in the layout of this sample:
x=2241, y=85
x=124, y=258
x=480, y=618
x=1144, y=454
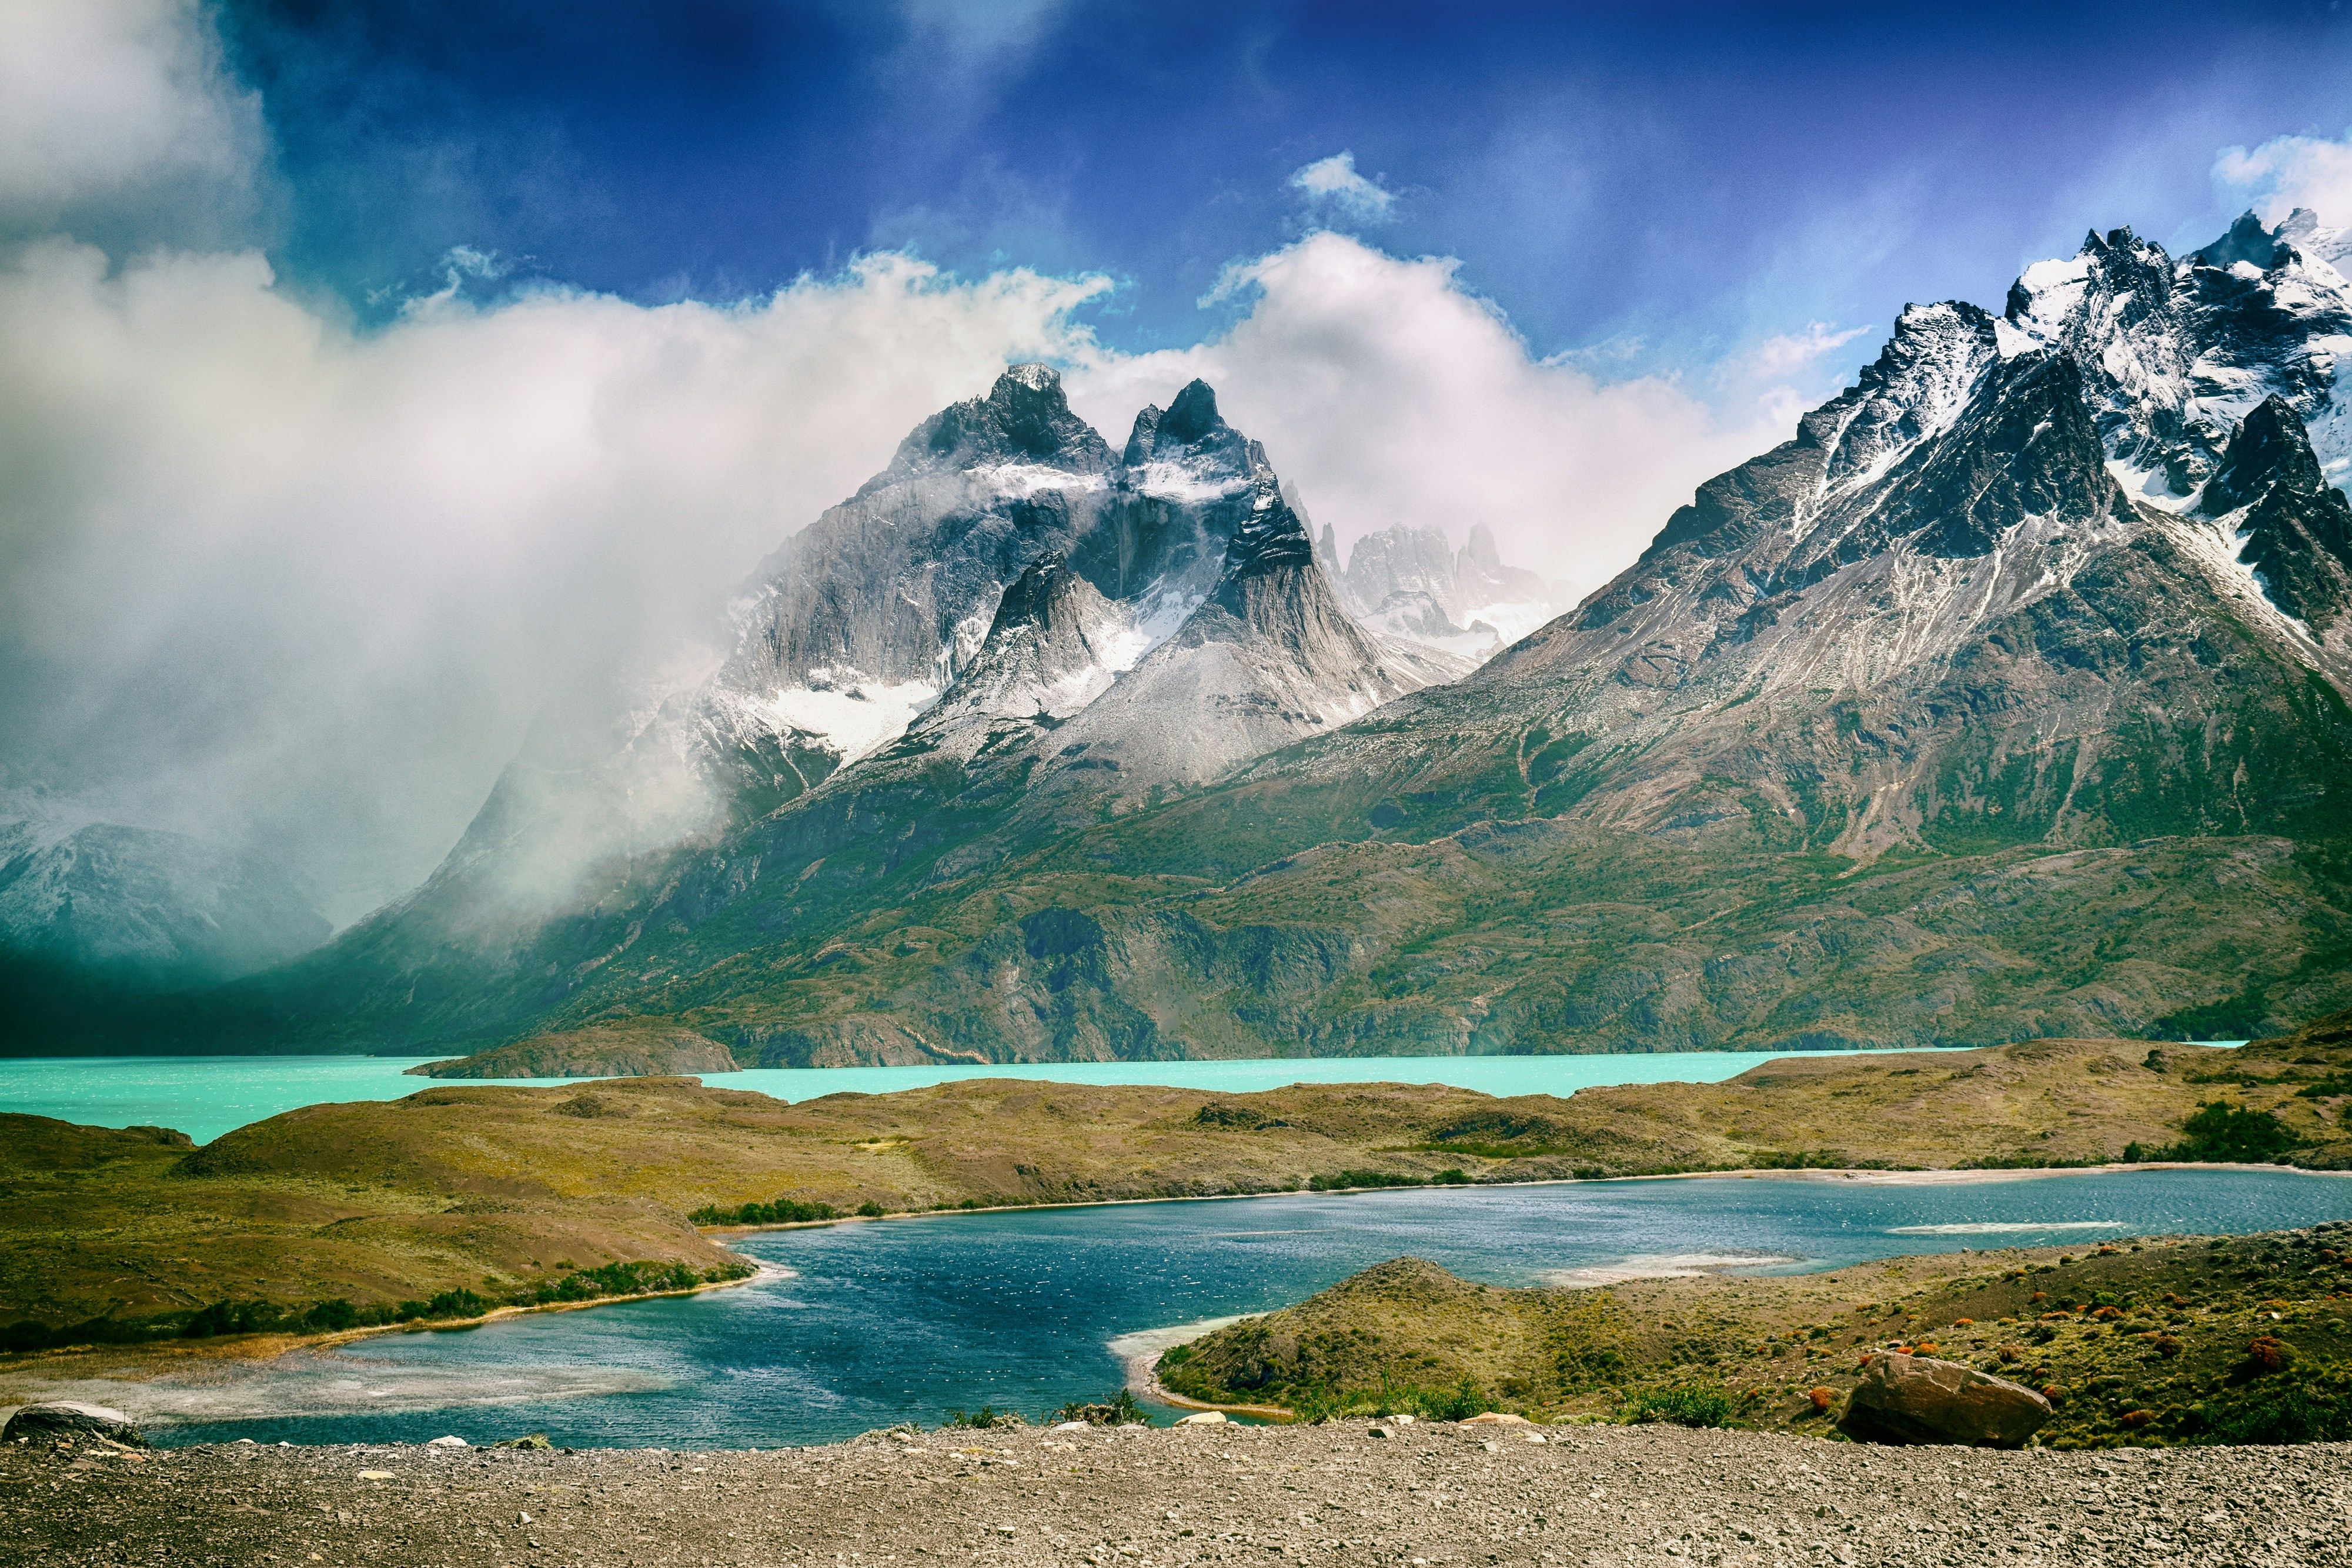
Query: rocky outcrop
x=70, y=1418
x=1920, y=1399
x=606, y=1052
x=2294, y=528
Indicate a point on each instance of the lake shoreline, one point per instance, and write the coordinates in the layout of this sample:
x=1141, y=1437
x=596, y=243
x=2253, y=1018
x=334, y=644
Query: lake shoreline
x=142, y=1362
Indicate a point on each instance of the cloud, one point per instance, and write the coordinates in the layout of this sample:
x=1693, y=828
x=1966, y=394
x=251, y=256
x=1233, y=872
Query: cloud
x=2290, y=172
x=270, y=580
x=1388, y=392
x=1792, y=351
x=1333, y=181
x=297, y=586
x=120, y=116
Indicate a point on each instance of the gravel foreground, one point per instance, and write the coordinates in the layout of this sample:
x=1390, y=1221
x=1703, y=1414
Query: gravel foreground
x=1425, y=1494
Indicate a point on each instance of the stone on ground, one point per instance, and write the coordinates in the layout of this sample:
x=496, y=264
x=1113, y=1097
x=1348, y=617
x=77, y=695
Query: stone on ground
x=1920, y=1399
x=70, y=1418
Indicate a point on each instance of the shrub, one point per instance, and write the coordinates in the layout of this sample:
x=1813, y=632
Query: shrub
x=331, y=1317
x=2232, y=1135
x=870, y=1209
x=1688, y=1406
x=2292, y=1413
x=1822, y=1398
x=1119, y=1410
x=1464, y=1400
x=782, y=1211
x=2267, y=1354
x=983, y=1418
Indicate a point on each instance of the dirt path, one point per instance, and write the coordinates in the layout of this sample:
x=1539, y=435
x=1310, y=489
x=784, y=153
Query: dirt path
x=1426, y=1493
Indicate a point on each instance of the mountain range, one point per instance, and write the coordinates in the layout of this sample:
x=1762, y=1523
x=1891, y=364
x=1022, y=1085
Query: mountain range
x=2007, y=698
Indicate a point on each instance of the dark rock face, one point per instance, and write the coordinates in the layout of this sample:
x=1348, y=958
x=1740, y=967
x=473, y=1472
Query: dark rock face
x=71, y=1418
x=1917, y=1400
x=2296, y=527
x=1025, y=418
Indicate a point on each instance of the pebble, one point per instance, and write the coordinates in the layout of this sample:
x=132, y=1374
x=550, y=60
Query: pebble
x=1226, y=1493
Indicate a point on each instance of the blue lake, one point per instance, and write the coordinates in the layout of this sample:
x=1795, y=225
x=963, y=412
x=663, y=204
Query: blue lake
x=901, y=1320
x=205, y=1096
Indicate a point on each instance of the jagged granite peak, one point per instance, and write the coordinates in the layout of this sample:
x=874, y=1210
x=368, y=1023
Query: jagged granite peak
x=1409, y=583
x=1025, y=419
x=2295, y=528
x=1937, y=613
x=1268, y=657
x=1055, y=645
x=2176, y=352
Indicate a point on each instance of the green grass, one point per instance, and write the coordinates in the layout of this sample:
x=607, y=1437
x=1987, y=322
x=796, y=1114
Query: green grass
x=782, y=1211
x=1686, y=1405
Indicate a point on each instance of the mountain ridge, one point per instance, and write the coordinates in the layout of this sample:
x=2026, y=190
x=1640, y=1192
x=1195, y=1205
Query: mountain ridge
x=1961, y=717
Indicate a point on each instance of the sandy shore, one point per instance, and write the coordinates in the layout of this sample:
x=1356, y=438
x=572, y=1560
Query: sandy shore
x=1349, y=1492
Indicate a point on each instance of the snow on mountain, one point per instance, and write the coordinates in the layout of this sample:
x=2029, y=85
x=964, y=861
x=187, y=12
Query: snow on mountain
x=1411, y=585
x=1980, y=587
x=2175, y=353
x=1002, y=578
x=80, y=893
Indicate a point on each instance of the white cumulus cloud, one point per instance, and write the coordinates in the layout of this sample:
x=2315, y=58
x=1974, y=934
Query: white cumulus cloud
x=1333, y=180
x=266, y=578
x=122, y=115
x=2290, y=172
x=1388, y=392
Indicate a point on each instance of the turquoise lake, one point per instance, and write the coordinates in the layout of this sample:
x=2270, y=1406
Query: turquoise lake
x=205, y=1096
x=902, y=1320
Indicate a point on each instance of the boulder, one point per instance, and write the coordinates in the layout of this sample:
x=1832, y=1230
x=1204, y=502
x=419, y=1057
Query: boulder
x=1498, y=1418
x=70, y=1418
x=1920, y=1399
x=1205, y=1418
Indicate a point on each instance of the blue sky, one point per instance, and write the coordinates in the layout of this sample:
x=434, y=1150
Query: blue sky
x=1656, y=182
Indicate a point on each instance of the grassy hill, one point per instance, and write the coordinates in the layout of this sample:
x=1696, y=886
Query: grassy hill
x=2169, y=1339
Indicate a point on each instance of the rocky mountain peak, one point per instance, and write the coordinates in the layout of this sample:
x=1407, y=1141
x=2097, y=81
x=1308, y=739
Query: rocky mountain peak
x=2295, y=528
x=1188, y=445
x=2247, y=241
x=2270, y=449
x=1025, y=419
x=1270, y=539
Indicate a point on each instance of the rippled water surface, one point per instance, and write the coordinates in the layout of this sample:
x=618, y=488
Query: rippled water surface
x=862, y=1326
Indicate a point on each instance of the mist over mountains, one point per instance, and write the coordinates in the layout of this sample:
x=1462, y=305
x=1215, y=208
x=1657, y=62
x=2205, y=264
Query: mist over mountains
x=2007, y=698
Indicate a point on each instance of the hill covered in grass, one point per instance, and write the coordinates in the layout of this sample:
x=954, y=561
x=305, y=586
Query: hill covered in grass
x=2238, y=1339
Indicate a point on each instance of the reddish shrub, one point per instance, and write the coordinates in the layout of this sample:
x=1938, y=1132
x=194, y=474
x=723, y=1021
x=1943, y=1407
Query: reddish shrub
x=1822, y=1398
x=2012, y=1352
x=2267, y=1353
x=2137, y=1418
x=2054, y=1393
x=2165, y=1345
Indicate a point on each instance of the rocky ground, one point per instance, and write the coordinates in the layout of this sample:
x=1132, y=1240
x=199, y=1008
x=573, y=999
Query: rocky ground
x=1424, y=1493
